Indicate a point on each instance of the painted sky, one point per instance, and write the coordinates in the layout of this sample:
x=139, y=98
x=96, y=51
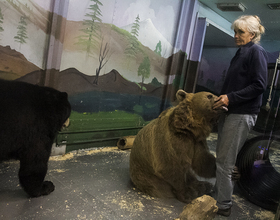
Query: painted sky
x=163, y=13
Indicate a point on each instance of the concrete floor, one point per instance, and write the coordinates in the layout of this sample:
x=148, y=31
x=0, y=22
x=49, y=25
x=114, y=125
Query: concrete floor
x=95, y=184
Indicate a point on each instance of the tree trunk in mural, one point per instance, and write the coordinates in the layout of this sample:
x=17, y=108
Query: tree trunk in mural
x=103, y=53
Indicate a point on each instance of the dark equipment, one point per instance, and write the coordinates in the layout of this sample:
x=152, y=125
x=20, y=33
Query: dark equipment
x=260, y=181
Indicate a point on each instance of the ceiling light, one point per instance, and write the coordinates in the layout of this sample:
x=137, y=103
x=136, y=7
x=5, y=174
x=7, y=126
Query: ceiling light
x=274, y=6
x=231, y=6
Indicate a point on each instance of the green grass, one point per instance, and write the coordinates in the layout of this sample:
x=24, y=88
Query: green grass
x=103, y=120
x=99, y=129
x=121, y=31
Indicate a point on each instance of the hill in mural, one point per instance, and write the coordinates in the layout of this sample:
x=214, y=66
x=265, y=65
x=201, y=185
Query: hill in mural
x=118, y=41
x=152, y=38
x=13, y=64
x=73, y=82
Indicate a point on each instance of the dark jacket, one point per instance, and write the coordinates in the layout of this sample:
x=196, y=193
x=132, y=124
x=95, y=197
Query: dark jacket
x=246, y=79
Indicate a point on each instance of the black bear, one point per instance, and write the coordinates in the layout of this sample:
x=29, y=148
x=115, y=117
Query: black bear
x=30, y=118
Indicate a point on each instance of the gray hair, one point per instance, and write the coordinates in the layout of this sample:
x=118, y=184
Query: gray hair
x=253, y=25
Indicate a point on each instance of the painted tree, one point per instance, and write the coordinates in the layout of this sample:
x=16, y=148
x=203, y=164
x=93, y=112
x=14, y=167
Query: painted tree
x=158, y=48
x=22, y=32
x=1, y=21
x=133, y=45
x=155, y=82
x=103, y=59
x=92, y=33
x=135, y=27
x=144, y=70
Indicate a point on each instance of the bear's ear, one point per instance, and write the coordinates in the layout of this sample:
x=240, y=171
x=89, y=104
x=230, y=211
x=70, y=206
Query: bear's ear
x=181, y=95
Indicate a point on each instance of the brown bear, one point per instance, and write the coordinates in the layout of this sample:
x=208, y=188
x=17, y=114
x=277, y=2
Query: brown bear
x=169, y=151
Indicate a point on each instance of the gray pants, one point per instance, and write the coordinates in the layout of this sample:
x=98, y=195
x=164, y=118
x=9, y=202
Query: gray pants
x=233, y=130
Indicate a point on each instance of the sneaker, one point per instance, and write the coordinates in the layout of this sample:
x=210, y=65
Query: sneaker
x=224, y=212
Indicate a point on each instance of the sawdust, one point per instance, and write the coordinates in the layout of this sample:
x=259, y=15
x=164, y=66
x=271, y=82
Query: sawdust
x=134, y=204
x=258, y=214
x=147, y=197
x=98, y=150
x=125, y=201
x=67, y=156
x=264, y=215
x=240, y=203
x=159, y=210
x=128, y=203
x=123, y=204
x=83, y=152
x=57, y=171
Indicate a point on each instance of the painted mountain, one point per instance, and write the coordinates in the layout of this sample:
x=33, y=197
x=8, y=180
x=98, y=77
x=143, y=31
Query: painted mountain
x=73, y=82
x=37, y=29
x=118, y=41
x=13, y=64
x=150, y=36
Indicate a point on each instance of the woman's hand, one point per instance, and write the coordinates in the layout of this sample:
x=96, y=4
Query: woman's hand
x=222, y=100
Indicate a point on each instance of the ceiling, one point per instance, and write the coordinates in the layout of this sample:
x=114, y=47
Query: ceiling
x=270, y=20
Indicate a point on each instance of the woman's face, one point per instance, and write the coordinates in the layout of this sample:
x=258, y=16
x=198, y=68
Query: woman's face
x=242, y=36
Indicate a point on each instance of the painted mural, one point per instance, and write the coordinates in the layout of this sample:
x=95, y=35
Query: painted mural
x=115, y=59
x=116, y=56
x=23, y=37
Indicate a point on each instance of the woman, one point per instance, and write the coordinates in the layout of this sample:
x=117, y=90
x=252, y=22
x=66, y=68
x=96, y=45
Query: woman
x=245, y=82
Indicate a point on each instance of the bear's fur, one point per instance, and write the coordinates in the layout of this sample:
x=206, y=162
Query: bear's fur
x=30, y=118
x=171, y=149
